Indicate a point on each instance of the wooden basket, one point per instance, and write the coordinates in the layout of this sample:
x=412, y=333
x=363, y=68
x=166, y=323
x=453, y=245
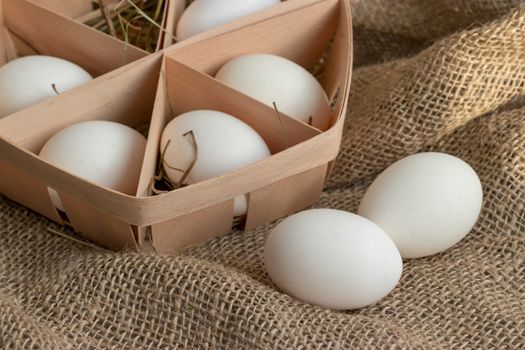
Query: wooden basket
x=156, y=88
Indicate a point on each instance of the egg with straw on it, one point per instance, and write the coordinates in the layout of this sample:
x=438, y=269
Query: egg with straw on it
x=203, y=144
x=202, y=15
x=28, y=80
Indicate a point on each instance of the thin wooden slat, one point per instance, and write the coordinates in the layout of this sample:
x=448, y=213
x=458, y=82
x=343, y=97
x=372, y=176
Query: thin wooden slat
x=97, y=226
x=3, y=38
x=330, y=79
x=174, y=235
x=24, y=188
x=142, y=236
x=3, y=46
x=175, y=10
x=59, y=36
x=330, y=169
x=338, y=80
x=285, y=197
x=68, y=8
x=339, y=63
x=18, y=47
x=280, y=35
x=165, y=12
x=160, y=115
x=345, y=60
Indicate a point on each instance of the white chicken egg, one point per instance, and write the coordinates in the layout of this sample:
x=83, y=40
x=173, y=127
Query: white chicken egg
x=106, y=153
x=426, y=202
x=29, y=80
x=223, y=144
x=202, y=15
x=333, y=259
x=269, y=78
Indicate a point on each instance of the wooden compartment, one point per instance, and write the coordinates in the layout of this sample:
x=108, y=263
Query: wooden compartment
x=126, y=96
x=81, y=11
x=59, y=36
x=84, y=11
x=163, y=85
x=175, y=8
x=183, y=89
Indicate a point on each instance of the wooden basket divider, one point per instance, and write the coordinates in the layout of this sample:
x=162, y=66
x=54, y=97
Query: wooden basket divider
x=67, y=8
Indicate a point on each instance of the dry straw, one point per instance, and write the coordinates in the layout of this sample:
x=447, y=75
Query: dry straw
x=135, y=22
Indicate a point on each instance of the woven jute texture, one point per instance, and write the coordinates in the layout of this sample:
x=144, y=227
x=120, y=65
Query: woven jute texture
x=443, y=75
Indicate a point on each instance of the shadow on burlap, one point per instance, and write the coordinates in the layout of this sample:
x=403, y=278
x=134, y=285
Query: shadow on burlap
x=440, y=75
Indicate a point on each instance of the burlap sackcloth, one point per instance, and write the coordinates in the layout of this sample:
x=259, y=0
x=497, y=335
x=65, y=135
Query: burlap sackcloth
x=439, y=75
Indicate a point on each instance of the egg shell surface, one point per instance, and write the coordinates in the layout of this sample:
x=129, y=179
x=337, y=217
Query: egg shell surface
x=426, y=202
x=224, y=144
x=202, y=15
x=105, y=153
x=333, y=259
x=28, y=80
x=270, y=78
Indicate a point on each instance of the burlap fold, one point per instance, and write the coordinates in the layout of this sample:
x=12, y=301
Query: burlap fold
x=437, y=75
